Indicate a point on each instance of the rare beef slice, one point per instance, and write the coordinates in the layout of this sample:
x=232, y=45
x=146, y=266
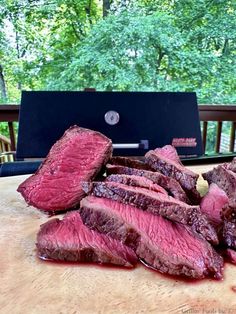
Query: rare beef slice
x=225, y=179
x=212, y=204
x=159, y=243
x=169, y=184
x=76, y=157
x=138, y=181
x=170, y=165
x=70, y=240
x=156, y=203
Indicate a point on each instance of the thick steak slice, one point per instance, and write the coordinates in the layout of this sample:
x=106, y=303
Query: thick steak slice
x=212, y=204
x=158, y=161
x=166, y=246
x=156, y=203
x=70, y=240
x=77, y=156
x=225, y=179
x=169, y=184
x=136, y=181
x=129, y=162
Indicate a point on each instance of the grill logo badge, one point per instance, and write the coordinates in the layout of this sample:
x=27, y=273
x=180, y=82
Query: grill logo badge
x=184, y=142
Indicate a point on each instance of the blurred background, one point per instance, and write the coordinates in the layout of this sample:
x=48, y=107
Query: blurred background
x=142, y=45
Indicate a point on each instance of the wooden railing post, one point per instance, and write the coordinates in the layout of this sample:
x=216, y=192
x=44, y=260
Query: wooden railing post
x=232, y=136
x=204, y=135
x=12, y=136
x=218, y=136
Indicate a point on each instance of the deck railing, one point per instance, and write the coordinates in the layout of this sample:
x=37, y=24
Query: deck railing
x=218, y=114
x=10, y=114
x=207, y=113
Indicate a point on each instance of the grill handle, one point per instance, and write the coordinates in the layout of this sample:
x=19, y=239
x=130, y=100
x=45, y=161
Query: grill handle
x=144, y=144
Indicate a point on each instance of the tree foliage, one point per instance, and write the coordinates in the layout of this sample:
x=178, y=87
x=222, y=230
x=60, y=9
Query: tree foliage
x=39, y=37
x=119, y=45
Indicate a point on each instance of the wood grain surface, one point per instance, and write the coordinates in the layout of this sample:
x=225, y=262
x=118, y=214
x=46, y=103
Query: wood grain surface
x=28, y=285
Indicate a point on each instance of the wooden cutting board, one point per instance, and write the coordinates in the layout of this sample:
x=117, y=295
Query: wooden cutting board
x=29, y=285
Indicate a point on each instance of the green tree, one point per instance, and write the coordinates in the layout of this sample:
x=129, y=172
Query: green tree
x=130, y=51
x=146, y=48
x=39, y=37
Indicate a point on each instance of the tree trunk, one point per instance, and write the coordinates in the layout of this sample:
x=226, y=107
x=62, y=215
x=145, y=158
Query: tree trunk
x=225, y=47
x=106, y=7
x=159, y=59
x=88, y=11
x=3, y=88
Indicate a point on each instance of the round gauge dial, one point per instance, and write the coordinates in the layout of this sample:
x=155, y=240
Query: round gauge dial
x=112, y=117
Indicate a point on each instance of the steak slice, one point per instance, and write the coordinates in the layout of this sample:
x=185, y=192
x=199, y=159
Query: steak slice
x=212, y=204
x=230, y=165
x=169, y=152
x=163, y=245
x=77, y=156
x=225, y=179
x=129, y=162
x=158, y=161
x=70, y=240
x=133, y=180
x=229, y=227
x=156, y=203
x=169, y=184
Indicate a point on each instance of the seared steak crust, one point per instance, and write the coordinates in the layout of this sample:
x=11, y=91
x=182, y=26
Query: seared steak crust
x=229, y=227
x=129, y=162
x=169, y=184
x=171, y=168
x=137, y=181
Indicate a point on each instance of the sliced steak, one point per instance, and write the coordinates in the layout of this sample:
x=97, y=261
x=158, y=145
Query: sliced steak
x=169, y=152
x=230, y=165
x=158, y=161
x=169, y=184
x=225, y=179
x=212, y=204
x=77, y=156
x=229, y=227
x=156, y=203
x=166, y=246
x=133, y=180
x=70, y=240
x=129, y=162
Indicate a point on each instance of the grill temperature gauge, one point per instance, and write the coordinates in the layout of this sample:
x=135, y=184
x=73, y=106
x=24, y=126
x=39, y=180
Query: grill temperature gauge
x=112, y=117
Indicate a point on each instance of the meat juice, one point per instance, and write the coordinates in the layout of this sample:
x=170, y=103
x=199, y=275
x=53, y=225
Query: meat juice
x=111, y=267
x=117, y=267
x=177, y=278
